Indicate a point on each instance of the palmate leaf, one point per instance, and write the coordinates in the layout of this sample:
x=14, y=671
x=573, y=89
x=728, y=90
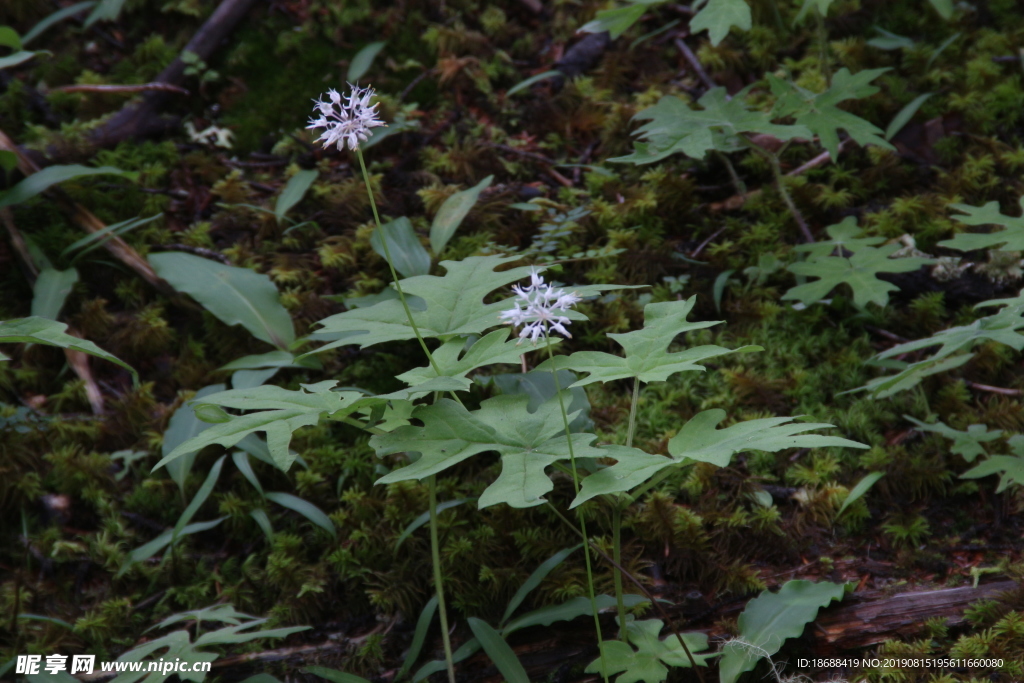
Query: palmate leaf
x=282, y=411
x=650, y=661
x=818, y=111
x=1010, y=468
x=453, y=361
x=699, y=440
x=647, y=355
x=453, y=305
x=1009, y=239
x=528, y=443
x=844, y=235
x=441, y=306
x=676, y=127
x=719, y=16
x=222, y=613
x=180, y=647
x=966, y=444
x=857, y=271
x=909, y=376
x=769, y=619
x=1000, y=327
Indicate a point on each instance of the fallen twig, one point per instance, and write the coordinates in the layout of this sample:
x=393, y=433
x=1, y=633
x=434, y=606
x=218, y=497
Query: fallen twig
x=144, y=87
x=142, y=119
x=695, y=64
x=993, y=390
x=78, y=360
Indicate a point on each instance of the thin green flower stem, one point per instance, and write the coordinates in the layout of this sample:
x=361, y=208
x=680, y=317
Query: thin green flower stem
x=435, y=552
x=826, y=69
x=579, y=514
x=617, y=518
x=391, y=265
x=737, y=182
x=435, y=556
x=780, y=184
x=643, y=589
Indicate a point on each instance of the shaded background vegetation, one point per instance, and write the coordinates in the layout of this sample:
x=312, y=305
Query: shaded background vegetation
x=72, y=504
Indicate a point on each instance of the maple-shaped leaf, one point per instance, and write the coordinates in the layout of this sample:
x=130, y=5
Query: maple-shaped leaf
x=1011, y=238
x=857, y=271
x=967, y=444
x=818, y=111
x=646, y=350
x=441, y=306
x=634, y=467
x=179, y=647
x=650, y=661
x=676, y=127
x=1010, y=468
x=719, y=16
x=279, y=412
x=453, y=359
x=699, y=440
x=528, y=443
x=845, y=235
x=909, y=376
x=1000, y=327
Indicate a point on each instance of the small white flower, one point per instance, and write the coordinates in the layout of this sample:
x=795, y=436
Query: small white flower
x=349, y=123
x=536, y=308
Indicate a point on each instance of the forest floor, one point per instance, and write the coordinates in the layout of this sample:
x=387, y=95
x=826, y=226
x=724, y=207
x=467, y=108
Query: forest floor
x=215, y=162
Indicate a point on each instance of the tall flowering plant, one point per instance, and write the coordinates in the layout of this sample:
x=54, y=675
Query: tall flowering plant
x=429, y=416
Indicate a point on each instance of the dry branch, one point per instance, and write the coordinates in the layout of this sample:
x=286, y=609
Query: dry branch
x=870, y=618
x=90, y=223
x=142, y=119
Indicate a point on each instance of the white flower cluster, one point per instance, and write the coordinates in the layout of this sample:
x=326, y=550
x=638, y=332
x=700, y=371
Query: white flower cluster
x=346, y=123
x=535, y=309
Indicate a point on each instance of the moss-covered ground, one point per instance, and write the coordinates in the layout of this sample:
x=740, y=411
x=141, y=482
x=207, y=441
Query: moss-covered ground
x=76, y=491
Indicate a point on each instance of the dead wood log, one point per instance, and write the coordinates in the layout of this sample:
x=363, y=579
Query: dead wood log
x=143, y=118
x=869, y=618
x=861, y=620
